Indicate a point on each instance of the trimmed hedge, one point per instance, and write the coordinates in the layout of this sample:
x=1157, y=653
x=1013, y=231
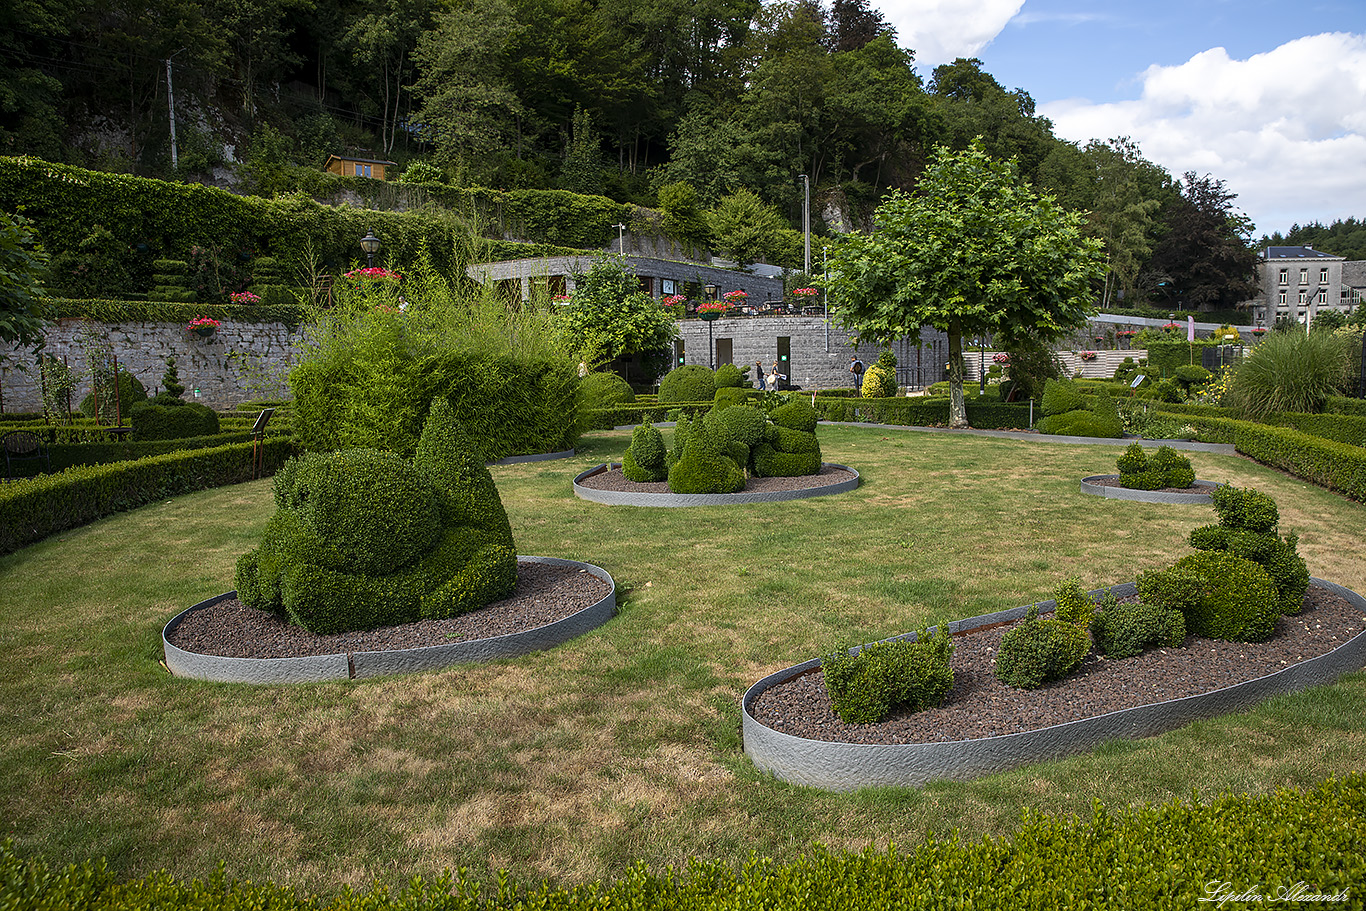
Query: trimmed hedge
x=34, y=508
x=1157, y=857
x=121, y=311
x=1340, y=467
x=920, y=412
x=634, y=415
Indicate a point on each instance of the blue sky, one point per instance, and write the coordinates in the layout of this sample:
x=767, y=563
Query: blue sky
x=1268, y=97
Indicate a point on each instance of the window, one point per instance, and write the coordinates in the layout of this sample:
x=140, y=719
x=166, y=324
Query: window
x=1304, y=276
x=1323, y=295
x=667, y=287
x=1304, y=296
x=1323, y=275
x=1280, y=298
x=1285, y=276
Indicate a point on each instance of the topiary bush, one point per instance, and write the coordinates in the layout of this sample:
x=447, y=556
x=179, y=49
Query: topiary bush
x=1039, y=651
x=1166, y=468
x=1222, y=595
x=729, y=376
x=605, y=389
x=131, y=391
x=739, y=429
x=864, y=686
x=703, y=463
x=1066, y=412
x=1060, y=397
x=169, y=418
x=364, y=538
x=1248, y=528
x=789, y=448
x=645, y=459
x=1133, y=461
x=1122, y=630
x=1074, y=603
x=1174, y=468
x=689, y=383
x=879, y=381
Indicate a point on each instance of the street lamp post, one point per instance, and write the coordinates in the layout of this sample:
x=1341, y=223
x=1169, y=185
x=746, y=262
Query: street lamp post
x=621, y=238
x=370, y=244
x=709, y=316
x=806, y=223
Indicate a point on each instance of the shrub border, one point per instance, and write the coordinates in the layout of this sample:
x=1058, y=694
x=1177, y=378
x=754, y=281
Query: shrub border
x=1092, y=486
x=354, y=665
x=628, y=498
x=847, y=766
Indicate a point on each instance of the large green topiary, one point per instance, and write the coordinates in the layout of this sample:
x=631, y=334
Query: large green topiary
x=1248, y=528
x=131, y=391
x=645, y=459
x=1060, y=397
x=1222, y=596
x=789, y=448
x=1121, y=630
x=865, y=685
x=729, y=376
x=689, y=383
x=704, y=463
x=1166, y=468
x=1077, y=418
x=605, y=389
x=363, y=538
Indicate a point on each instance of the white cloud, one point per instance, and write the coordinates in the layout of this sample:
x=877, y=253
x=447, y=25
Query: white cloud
x=1285, y=130
x=939, y=31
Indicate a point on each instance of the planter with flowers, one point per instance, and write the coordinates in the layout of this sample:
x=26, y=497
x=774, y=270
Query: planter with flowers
x=203, y=326
x=1088, y=355
x=711, y=310
x=673, y=303
x=244, y=297
x=1001, y=358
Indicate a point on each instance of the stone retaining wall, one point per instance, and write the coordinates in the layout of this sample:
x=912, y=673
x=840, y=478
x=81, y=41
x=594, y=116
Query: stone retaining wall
x=242, y=361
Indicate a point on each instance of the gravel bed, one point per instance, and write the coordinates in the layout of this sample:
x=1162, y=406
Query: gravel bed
x=979, y=705
x=613, y=479
x=1112, y=480
x=545, y=593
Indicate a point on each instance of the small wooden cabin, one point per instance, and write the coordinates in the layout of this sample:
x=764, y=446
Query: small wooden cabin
x=357, y=167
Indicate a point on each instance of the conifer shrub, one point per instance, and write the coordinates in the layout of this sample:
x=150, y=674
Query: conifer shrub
x=1122, y=630
x=171, y=281
x=689, y=383
x=1039, y=651
x=1134, y=460
x=1221, y=595
x=364, y=538
x=739, y=429
x=645, y=459
x=879, y=381
x=865, y=686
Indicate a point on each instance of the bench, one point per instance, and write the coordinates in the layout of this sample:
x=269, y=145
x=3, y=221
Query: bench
x=22, y=445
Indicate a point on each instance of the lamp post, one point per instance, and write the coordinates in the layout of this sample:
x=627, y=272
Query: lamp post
x=621, y=238
x=981, y=365
x=370, y=244
x=806, y=223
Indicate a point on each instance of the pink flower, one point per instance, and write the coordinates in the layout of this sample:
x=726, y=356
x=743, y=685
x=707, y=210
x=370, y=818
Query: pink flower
x=734, y=297
x=203, y=322
x=373, y=272
x=805, y=292
x=244, y=297
x=712, y=307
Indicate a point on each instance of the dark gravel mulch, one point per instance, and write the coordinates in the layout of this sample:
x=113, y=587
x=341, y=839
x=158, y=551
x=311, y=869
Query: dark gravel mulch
x=979, y=705
x=613, y=479
x=545, y=593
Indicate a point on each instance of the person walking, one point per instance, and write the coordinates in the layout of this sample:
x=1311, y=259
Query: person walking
x=773, y=378
x=759, y=374
x=856, y=368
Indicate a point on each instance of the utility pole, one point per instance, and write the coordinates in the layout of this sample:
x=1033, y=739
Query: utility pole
x=170, y=98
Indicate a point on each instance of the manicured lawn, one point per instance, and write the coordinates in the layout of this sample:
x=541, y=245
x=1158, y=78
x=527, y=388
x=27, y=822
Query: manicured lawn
x=622, y=746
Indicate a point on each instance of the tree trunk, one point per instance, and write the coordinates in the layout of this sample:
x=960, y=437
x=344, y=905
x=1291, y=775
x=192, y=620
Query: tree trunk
x=958, y=412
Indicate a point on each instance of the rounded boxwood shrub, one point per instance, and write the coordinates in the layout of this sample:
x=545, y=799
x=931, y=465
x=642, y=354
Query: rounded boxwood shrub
x=645, y=459
x=1134, y=460
x=363, y=538
x=131, y=391
x=864, y=686
x=689, y=383
x=604, y=389
x=1247, y=528
x=727, y=396
x=789, y=448
x=1244, y=507
x=1039, y=651
x=729, y=376
x=704, y=464
x=1127, y=629
x=1060, y=397
x=1222, y=595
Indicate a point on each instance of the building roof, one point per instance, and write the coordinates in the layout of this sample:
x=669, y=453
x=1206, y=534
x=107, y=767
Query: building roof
x=361, y=160
x=1297, y=253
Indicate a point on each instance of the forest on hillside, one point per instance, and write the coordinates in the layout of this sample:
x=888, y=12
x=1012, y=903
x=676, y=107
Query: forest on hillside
x=720, y=113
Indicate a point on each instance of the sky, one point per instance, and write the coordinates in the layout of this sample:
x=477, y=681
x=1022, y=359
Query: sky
x=1269, y=97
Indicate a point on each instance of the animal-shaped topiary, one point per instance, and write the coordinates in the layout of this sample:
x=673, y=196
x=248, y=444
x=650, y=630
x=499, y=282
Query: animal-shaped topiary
x=645, y=458
x=704, y=464
x=789, y=447
x=363, y=538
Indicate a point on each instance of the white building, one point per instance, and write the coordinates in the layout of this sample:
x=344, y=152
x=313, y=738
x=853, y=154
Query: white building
x=1300, y=281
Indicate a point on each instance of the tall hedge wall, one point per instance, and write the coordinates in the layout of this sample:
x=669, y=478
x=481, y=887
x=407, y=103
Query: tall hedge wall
x=160, y=219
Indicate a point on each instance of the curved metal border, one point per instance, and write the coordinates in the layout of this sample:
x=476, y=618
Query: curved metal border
x=1089, y=486
x=846, y=766
x=534, y=457
x=316, y=668
x=628, y=498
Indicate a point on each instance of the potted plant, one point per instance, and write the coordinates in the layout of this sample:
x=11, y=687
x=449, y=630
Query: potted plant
x=203, y=326
x=711, y=310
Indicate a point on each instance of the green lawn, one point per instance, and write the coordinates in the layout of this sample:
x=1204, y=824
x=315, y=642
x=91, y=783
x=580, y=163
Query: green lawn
x=623, y=746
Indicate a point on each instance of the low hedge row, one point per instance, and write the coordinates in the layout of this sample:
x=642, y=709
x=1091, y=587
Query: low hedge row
x=921, y=412
x=1340, y=467
x=632, y=414
x=33, y=508
x=123, y=311
x=1288, y=846
x=1339, y=404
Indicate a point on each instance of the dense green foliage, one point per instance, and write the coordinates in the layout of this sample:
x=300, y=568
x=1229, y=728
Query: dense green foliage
x=921, y=412
x=1165, y=468
x=1341, y=238
x=369, y=372
x=688, y=383
x=362, y=538
x=789, y=447
x=1122, y=630
x=1068, y=413
x=32, y=509
x=168, y=418
x=908, y=674
x=130, y=392
x=1222, y=596
x=702, y=461
x=22, y=264
x=646, y=458
x=1039, y=650
x=609, y=317
x=1290, y=371
x=1247, y=527
x=603, y=389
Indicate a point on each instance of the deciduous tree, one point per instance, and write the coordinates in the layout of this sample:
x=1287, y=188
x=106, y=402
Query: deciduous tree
x=973, y=250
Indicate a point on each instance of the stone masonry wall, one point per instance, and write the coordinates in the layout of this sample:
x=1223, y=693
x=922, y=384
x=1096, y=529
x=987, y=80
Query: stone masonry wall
x=236, y=365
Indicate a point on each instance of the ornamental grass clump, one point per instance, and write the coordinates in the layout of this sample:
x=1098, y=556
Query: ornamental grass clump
x=1248, y=521
x=364, y=538
x=865, y=685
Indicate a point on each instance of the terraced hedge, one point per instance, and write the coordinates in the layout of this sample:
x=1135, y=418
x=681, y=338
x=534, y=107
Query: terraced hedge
x=1159, y=858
